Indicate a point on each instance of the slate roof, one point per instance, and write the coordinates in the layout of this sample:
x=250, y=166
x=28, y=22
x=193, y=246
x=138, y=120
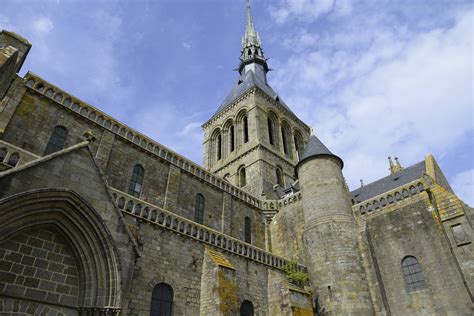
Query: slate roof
x=316, y=148
x=248, y=80
x=390, y=182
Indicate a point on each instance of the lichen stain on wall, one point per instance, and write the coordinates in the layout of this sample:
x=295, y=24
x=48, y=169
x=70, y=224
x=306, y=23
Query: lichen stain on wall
x=227, y=290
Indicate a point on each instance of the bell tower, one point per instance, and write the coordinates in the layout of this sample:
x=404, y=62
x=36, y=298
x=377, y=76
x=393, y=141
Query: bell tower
x=254, y=140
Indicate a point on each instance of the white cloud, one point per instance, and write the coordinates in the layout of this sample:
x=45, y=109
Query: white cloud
x=193, y=127
x=463, y=185
x=306, y=9
x=371, y=92
x=42, y=24
x=186, y=45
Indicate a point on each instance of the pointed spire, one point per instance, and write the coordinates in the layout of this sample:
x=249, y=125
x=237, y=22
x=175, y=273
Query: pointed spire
x=315, y=148
x=252, y=51
x=251, y=36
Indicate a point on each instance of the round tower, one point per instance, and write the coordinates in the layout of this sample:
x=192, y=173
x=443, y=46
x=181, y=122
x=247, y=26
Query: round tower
x=334, y=264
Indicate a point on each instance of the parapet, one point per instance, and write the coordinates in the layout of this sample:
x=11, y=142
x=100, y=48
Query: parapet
x=8, y=38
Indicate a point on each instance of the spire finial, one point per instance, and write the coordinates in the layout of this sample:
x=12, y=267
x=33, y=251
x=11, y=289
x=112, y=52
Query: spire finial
x=392, y=168
x=399, y=166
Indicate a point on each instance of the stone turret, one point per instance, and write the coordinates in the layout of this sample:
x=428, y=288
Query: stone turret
x=332, y=257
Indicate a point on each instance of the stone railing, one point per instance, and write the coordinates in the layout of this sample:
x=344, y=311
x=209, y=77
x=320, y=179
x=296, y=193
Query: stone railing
x=289, y=200
x=157, y=216
x=12, y=156
x=270, y=205
x=98, y=117
x=390, y=197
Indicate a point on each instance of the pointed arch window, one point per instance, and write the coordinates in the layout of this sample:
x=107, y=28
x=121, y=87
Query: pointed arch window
x=242, y=177
x=232, y=138
x=57, y=140
x=413, y=274
x=271, y=126
x=136, y=181
x=279, y=176
x=248, y=230
x=246, y=308
x=161, y=300
x=246, y=129
x=199, y=208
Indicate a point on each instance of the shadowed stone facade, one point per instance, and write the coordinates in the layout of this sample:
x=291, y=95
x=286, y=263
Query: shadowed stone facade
x=98, y=219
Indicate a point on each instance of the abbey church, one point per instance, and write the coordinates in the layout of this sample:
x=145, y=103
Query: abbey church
x=99, y=219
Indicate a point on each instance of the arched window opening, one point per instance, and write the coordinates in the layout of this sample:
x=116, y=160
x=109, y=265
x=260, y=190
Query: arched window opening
x=246, y=308
x=226, y=177
x=270, y=130
x=285, y=141
x=219, y=147
x=248, y=230
x=246, y=129
x=136, y=181
x=161, y=300
x=57, y=140
x=199, y=209
x=413, y=274
x=279, y=175
x=242, y=177
x=13, y=160
x=232, y=138
x=298, y=145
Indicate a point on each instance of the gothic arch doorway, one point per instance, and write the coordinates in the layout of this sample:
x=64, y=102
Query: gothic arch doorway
x=65, y=253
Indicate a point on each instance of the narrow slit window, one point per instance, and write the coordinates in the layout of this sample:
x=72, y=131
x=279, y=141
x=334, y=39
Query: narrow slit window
x=199, y=209
x=248, y=230
x=219, y=147
x=246, y=129
x=279, y=175
x=285, y=144
x=242, y=177
x=232, y=138
x=270, y=131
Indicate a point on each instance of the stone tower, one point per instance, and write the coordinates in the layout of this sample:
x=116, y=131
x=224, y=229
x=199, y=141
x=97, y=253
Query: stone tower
x=254, y=140
x=334, y=264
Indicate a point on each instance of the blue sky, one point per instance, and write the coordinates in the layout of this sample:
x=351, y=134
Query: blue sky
x=374, y=78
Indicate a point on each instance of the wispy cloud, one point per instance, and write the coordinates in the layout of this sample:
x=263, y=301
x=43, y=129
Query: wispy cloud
x=42, y=24
x=463, y=185
x=373, y=90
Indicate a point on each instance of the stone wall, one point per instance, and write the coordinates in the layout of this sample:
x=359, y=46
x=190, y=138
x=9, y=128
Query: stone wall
x=118, y=155
x=411, y=229
x=39, y=265
x=287, y=232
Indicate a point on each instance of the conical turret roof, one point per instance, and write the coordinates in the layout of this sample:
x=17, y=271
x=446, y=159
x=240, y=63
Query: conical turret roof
x=315, y=148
